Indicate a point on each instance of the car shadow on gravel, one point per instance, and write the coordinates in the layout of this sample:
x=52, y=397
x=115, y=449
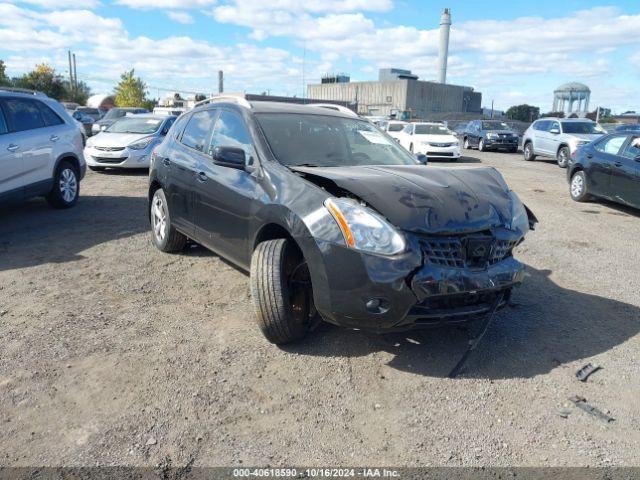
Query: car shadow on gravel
x=32, y=233
x=545, y=327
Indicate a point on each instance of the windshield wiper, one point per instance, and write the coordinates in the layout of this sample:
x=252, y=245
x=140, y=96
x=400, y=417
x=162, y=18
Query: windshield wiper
x=304, y=165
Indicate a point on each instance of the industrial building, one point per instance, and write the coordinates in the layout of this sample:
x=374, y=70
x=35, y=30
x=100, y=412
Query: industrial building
x=399, y=93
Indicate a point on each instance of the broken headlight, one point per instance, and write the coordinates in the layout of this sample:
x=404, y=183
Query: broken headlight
x=363, y=229
x=519, y=217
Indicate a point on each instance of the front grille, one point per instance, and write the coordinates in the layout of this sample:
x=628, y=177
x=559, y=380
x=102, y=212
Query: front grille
x=452, y=251
x=440, y=154
x=109, y=149
x=109, y=160
x=442, y=145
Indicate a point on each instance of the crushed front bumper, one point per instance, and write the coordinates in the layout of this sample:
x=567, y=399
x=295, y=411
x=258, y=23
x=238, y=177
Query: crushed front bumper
x=408, y=291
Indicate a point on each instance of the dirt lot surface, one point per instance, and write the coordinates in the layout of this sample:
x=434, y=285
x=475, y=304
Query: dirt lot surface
x=113, y=353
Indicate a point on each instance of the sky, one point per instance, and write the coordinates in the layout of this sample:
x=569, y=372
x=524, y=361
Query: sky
x=513, y=52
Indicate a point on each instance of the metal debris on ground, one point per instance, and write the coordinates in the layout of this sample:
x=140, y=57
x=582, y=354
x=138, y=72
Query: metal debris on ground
x=587, y=370
x=581, y=403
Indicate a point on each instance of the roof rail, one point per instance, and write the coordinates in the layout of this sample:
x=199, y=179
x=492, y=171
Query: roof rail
x=240, y=100
x=333, y=106
x=22, y=90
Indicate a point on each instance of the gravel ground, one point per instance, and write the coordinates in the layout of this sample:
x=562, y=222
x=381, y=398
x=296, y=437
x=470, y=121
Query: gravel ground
x=116, y=354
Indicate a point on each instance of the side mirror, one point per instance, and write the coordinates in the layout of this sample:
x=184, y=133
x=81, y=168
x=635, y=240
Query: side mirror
x=555, y=131
x=231, y=157
x=422, y=158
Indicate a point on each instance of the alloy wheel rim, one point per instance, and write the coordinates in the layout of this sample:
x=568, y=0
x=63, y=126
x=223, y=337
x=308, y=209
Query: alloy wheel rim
x=563, y=157
x=68, y=185
x=527, y=151
x=577, y=185
x=159, y=216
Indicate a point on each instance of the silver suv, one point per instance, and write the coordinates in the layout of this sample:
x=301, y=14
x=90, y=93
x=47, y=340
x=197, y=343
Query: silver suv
x=40, y=149
x=558, y=138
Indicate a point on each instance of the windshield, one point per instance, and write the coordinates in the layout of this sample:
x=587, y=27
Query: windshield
x=326, y=141
x=588, y=128
x=432, y=130
x=135, y=125
x=395, y=127
x=495, y=126
x=115, y=113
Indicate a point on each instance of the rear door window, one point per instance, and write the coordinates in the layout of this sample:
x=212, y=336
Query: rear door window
x=611, y=145
x=198, y=131
x=50, y=117
x=23, y=114
x=3, y=123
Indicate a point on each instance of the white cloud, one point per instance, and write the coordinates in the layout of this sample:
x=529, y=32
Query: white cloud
x=55, y=4
x=166, y=4
x=180, y=17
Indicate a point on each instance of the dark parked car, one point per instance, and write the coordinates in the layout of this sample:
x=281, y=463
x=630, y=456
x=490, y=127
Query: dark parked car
x=608, y=168
x=112, y=116
x=333, y=219
x=490, y=135
x=628, y=127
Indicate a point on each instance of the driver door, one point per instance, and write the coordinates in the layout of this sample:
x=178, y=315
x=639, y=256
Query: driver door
x=225, y=196
x=625, y=176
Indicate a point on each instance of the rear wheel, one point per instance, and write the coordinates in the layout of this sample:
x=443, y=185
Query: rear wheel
x=164, y=235
x=563, y=157
x=529, y=156
x=578, y=188
x=281, y=291
x=66, y=186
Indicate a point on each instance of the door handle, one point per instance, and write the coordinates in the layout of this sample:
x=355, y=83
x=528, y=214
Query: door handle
x=202, y=176
x=618, y=164
x=54, y=138
x=13, y=147
x=589, y=155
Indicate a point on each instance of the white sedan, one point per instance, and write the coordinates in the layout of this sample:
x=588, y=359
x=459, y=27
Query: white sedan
x=433, y=140
x=128, y=142
x=393, y=128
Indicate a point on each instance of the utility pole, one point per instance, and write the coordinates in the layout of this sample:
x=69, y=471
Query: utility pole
x=304, y=59
x=75, y=73
x=70, y=71
x=220, y=81
x=492, y=108
x=597, y=114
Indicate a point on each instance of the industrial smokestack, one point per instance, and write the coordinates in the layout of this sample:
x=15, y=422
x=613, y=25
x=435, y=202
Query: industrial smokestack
x=443, y=53
x=220, y=81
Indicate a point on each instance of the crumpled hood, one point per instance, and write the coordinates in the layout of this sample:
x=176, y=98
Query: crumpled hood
x=427, y=199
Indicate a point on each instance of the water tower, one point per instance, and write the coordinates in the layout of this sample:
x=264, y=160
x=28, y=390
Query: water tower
x=571, y=98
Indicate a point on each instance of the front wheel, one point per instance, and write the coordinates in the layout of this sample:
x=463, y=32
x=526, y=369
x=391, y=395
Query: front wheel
x=281, y=291
x=465, y=143
x=481, y=146
x=578, y=187
x=66, y=186
x=563, y=157
x=164, y=235
x=528, y=152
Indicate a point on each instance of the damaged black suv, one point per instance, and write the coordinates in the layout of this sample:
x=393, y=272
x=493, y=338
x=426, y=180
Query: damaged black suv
x=333, y=219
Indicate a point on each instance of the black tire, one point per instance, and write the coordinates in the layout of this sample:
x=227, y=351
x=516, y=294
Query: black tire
x=281, y=291
x=579, y=187
x=481, y=147
x=562, y=157
x=465, y=144
x=527, y=152
x=163, y=234
x=66, y=186
x=97, y=169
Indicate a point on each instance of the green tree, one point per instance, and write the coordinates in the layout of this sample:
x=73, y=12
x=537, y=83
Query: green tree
x=131, y=91
x=43, y=79
x=79, y=95
x=523, y=113
x=4, y=80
